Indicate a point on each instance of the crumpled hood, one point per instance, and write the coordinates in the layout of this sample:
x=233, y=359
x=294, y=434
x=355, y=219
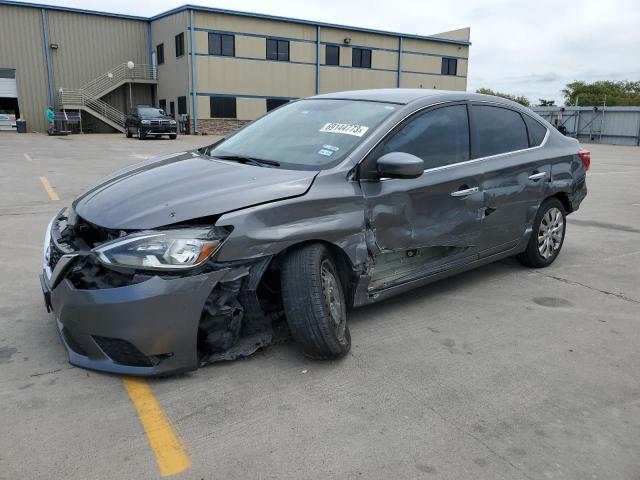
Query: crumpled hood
x=183, y=186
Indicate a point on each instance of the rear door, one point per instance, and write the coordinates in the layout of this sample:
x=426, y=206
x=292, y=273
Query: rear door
x=516, y=174
x=420, y=226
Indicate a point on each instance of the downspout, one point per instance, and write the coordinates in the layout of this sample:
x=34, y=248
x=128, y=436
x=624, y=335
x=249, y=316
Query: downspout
x=194, y=104
x=399, y=60
x=317, y=59
x=47, y=55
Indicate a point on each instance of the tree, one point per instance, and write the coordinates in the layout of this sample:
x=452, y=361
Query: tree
x=623, y=93
x=521, y=99
x=546, y=103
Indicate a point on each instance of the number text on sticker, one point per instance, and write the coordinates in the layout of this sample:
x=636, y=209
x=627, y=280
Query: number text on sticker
x=345, y=128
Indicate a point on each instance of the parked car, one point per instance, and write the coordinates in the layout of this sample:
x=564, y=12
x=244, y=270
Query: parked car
x=146, y=121
x=324, y=204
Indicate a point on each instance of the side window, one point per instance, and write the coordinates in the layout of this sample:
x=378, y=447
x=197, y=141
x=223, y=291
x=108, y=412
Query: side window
x=361, y=57
x=182, y=105
x=332, y=55
x=160, y=54
x=498, y=130
x=222, y=107
x=275, y=103
x=221, y=44
x=537, y=132
x=440, y=137
x=277, y=50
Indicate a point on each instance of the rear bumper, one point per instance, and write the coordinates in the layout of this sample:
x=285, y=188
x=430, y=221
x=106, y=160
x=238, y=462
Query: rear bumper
x=149, y=328
x=579, y=193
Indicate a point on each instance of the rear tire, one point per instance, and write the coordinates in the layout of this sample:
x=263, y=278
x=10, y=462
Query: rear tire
x=314, y=302
x=546, y=240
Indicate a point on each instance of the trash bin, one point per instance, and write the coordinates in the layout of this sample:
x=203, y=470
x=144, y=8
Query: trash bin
x=21, y=126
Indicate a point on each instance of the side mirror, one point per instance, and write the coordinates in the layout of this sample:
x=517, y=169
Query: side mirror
x=400, y=165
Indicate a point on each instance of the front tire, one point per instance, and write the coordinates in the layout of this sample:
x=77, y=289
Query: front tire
x=127, y=132
x=314, y=302
x=141, y=134
x=173, y=136
x=547, y=237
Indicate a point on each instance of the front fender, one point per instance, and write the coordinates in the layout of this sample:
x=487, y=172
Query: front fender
x=332, y=210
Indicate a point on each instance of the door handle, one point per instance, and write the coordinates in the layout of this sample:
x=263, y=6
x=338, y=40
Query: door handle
x=465, y=193
x=537, y=176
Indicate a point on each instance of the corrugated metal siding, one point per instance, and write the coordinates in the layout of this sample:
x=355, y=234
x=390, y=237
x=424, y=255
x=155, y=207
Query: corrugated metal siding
x=90, y=45
x=21, y=47
x=611, y=125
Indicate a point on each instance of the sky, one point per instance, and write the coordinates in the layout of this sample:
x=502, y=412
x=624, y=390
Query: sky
x=531, y=48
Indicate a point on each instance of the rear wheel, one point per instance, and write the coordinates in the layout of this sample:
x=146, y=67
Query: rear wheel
x=314, y=302
x=547, y=236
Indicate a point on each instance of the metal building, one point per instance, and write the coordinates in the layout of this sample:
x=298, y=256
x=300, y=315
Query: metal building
x=221, y=68
x=601, y=124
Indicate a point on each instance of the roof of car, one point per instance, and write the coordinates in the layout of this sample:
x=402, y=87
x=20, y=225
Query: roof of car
x=404, y=96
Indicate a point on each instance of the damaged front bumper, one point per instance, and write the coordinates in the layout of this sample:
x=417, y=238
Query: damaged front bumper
x=152, y=326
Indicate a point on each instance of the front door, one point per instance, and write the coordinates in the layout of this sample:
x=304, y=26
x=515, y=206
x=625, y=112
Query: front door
x=421, y=226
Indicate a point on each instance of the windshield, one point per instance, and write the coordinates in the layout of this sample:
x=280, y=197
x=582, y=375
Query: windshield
x=307, y=134
x=150, y=112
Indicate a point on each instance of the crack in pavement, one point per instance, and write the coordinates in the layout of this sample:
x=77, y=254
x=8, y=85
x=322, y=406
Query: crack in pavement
x=621, y=296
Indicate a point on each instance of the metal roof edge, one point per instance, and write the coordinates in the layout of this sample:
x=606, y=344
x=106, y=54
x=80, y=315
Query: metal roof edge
x=233, y=12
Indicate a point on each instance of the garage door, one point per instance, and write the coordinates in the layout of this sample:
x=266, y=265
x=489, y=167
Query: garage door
x=8, y=87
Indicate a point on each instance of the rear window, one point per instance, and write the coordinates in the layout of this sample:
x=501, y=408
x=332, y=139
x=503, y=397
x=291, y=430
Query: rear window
x=498, y=130
x=537, y=132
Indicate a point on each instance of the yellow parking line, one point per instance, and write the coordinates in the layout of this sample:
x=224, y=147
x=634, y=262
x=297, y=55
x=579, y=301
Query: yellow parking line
x=49, y=189
x=171, y=456
x=27, y=157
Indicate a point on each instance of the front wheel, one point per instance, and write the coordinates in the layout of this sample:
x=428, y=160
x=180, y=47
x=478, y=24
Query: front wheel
x=314, y=302
x=173, y=136
x=547, y=236
x=127, y=132
x=141, y=134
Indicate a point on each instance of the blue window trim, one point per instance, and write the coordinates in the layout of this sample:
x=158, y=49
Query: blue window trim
x=283, y=62
x=239, y=95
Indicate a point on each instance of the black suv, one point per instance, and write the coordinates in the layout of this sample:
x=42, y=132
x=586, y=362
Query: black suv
x=146, y=121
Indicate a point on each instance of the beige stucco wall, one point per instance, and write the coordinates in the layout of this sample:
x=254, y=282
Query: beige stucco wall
x=232, y=23
x=335, y=79
x=174, y=74
x=441, y=82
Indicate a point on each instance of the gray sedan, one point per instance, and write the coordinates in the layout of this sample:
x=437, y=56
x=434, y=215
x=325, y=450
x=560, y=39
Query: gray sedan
x=324, y=204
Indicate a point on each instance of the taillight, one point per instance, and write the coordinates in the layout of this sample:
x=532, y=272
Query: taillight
x=585, y=156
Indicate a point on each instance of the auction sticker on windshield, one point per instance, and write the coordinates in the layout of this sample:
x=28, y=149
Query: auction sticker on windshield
x=345, y=128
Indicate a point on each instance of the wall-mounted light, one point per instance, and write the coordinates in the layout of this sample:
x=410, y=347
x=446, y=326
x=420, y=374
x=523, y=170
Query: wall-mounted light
x=54, y=46
x=347, y=40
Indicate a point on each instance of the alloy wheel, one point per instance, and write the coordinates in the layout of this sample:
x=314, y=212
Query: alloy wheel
x=550, y=232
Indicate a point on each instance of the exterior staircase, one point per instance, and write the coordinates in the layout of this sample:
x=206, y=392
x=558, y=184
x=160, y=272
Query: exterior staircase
x=88, y=97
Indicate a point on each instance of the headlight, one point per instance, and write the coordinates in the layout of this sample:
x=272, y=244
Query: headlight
x=168, y=249
x=145, y=122
x=172, y=122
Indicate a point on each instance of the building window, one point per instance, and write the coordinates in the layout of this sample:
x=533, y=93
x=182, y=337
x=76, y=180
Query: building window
x=160, y=54
x=220, y=44
x=277, y=50
x=162, y=105
x=223, y=107
x=449, y=66
x=332, y=55
x=179, y=45
x=172, y=109
x=275, y=103
x=182, y=105
x=361, y=58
